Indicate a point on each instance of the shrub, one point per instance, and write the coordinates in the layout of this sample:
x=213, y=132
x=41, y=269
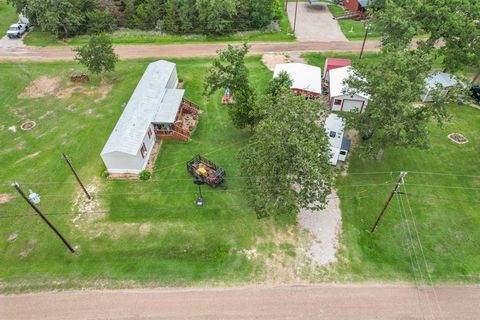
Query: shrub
x=144, y=175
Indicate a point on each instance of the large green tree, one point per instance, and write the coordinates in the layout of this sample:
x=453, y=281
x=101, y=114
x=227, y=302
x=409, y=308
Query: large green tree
x=97, y=55
x=216, y=17
x=395, y=84
x=229, y=71
x=451, y=27
x=62, y=18
x=286, y=161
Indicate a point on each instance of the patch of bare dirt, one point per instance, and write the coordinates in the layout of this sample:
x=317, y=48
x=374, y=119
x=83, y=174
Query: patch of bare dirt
x=280, y=266
x=28, y=249
x=103, y=91
x=272, y=59
x=42, y=87
x=5, y=197
x=144, y=229
x=51, y=86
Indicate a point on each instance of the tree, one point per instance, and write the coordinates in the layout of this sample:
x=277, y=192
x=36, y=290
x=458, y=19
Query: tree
x=229, y=71
x=286, y=161
x=100, y=22
x=216, y=17
x=452, y=28
x=97, y=55
x=394, y=85
x=61, y=17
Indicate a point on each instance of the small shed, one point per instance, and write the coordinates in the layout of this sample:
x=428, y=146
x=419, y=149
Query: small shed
x=334, y=63
x=156, y=102
x=339, y=98
x=357, y=5
x=306, y=79
x=339, y=145
x=445, y=80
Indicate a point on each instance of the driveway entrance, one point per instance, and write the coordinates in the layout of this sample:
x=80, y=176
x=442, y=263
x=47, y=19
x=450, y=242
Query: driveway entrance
x=314, y=23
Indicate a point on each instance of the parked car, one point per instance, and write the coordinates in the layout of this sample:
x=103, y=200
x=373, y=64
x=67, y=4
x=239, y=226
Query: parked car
x=17, y=30
x=475, y=92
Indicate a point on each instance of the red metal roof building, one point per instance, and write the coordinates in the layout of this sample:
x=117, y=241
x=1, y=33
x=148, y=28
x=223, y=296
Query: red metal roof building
x=334, y=63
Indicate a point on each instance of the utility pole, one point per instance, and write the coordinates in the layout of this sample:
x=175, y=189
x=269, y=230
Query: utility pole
x=67, y=160
x=385, y=206
x=295, y=17
x=37, y=210
x=367, y=28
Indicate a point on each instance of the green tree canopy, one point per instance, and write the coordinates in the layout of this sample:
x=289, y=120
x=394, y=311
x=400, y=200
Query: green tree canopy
x=395, y=84
x=229, y=71
x=286, y=161
x=97, y=55
x=100, y=21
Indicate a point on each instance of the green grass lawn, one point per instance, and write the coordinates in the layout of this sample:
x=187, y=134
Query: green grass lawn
x=445, y=208
x=352, y=29
x=182, y=245
x=7, y=17
x=127, y=36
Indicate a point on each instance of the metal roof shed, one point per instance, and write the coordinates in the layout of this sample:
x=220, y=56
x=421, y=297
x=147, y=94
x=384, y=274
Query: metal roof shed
x=335, y=63
x=340, y=97
x=305, y=78
x=155, y=100
x=445, y=80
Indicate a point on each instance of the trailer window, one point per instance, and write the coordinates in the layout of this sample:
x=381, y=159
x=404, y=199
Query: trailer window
x=143, y=150
x=149, y=133
x=337, y=102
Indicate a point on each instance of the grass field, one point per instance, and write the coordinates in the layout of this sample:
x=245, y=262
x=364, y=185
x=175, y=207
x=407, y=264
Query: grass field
x=352, y=29
x=433, y=230
x=127, y=36
x=7, y=16
x=147, y=232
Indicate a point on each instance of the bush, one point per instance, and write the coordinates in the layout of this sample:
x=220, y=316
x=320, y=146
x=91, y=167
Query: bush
x=104, y=174
x=144, y=175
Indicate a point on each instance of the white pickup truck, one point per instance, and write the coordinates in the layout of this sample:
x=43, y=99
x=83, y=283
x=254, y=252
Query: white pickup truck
x=17, y=30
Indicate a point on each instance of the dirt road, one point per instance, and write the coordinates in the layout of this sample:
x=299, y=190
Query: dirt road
x=281, y=302
x=182, y=50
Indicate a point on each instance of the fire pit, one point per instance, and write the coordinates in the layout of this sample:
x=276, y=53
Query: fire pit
x=457, y=138
x=29, y=125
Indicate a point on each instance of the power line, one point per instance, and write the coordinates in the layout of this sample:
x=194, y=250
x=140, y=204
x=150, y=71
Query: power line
x=159, y=209
x=422, y=251
x=442, y=186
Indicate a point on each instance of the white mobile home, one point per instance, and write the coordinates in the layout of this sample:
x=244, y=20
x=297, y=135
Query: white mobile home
x=156, y=102
x=339, y=145
x=445, y=80
x=306, y=79
x=340, y=100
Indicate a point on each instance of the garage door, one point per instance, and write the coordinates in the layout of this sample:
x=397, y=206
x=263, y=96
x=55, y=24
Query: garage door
x=352, y=105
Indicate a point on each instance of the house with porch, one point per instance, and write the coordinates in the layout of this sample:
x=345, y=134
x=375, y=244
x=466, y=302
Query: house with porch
x=156, y=110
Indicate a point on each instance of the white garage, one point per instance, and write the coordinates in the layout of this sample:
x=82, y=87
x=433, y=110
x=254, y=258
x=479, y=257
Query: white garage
x=340, y=100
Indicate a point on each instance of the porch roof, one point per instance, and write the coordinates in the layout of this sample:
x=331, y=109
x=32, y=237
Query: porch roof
x=168, y=108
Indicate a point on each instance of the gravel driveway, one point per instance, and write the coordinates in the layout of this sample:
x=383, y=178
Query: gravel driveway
x=314, y=23
x=6, y=43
